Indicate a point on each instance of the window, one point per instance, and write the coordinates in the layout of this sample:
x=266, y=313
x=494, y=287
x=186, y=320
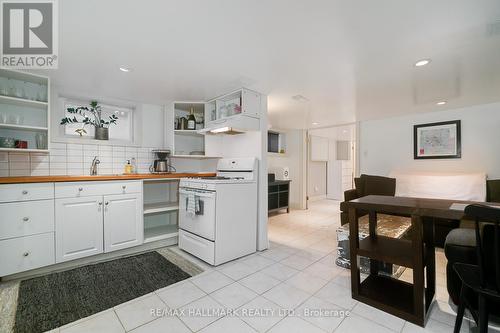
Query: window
x=121, y=131
x=273, y=142
x=276, y=142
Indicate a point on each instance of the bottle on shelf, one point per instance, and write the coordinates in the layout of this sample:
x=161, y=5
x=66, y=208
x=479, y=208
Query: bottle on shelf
x=191, y=121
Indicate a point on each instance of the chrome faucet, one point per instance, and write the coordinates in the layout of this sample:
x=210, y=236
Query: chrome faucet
x=93, y=167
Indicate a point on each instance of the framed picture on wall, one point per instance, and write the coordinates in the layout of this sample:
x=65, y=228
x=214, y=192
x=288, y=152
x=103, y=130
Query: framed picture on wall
x=437, y=140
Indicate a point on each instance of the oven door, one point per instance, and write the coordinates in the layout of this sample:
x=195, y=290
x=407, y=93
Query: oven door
x=203, y=222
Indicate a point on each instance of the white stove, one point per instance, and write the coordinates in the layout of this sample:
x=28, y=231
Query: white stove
x=229, y=171
x=218, y=215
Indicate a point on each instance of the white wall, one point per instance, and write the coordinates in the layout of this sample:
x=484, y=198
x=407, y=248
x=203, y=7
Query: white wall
x=293, y=159
x=387, y=144
x=153, y=126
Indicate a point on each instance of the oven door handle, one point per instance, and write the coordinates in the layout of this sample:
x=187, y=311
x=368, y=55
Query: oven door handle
x=198, y=194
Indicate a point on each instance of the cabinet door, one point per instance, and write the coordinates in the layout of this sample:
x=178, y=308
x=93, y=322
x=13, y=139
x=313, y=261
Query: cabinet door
x=123, y=221
x=79, y=227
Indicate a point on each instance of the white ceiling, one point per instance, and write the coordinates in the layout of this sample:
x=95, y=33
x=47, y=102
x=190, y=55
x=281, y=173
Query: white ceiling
x=352, y=59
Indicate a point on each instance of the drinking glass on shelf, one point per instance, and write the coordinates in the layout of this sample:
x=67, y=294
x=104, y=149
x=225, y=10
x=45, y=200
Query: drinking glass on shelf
x=41, y=95
x=41, y=140
x=23, y=93
x=12, y=88
x=16, y=119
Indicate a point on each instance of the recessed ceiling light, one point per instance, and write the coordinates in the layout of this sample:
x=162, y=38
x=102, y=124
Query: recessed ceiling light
x=315, y=123
x=441, y=103
x=422, y=62
x=125, y=69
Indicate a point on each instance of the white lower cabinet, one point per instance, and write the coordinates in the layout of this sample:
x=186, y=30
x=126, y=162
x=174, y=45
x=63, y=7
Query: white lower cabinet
x=84, y=219
x=91, y=225
x=79, y=227
x=25, y=253
x=123, y=226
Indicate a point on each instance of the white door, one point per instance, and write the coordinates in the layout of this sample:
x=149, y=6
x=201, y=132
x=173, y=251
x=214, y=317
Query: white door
x=123, y=221
x=203, y=223
x=79, y=227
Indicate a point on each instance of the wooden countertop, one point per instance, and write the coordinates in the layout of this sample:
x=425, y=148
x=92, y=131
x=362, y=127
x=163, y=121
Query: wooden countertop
x=137, y=176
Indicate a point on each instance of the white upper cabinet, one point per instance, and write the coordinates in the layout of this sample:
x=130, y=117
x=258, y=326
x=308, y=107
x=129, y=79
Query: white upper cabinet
x=239, y=109
x=24, y=111
x=187, y=141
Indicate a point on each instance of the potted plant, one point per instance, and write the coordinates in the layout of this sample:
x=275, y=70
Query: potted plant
x=101, y=125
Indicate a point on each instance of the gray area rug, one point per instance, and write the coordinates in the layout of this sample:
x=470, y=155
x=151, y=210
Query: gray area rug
x=53, y=300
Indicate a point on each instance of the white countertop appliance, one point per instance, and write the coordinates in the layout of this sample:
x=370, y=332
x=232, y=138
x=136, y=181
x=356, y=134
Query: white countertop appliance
x=218, y=215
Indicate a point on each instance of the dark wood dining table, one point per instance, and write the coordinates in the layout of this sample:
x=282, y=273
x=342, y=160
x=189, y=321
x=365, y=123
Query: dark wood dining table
x=409, y=301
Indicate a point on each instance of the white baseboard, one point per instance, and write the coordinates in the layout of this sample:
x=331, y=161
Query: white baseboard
x=317, y=198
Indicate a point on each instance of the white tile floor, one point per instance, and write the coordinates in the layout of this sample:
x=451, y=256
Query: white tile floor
x=298, y=273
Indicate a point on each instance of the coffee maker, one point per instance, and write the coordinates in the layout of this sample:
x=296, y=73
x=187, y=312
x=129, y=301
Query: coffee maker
x=162, y=162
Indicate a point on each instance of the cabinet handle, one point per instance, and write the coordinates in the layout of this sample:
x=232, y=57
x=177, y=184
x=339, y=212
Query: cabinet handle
x=25, y=192
x=25, y=254
x=100, y=203
x=124, y=187
x=107, y=203
x=26, y=219
x=80, y=189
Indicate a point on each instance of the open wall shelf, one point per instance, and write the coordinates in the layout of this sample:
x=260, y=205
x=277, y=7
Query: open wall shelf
x=161, y=208
x=24, y=110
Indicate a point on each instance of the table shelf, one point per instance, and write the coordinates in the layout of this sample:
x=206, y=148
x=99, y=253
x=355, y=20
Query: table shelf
x=388, y=294
x=387, y=249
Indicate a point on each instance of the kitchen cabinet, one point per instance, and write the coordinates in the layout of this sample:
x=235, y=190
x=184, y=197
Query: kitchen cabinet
x=188, y=142
x=239, y=111
x=97, y=217
x=122, y=221
x=79, y=227
x=24, y=111
x=241, y=102
x=26, y=227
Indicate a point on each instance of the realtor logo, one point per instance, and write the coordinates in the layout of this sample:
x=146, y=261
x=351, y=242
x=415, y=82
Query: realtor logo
x=29, y=34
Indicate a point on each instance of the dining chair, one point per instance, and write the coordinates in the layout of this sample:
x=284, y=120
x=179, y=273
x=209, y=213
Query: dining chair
x=481, y=283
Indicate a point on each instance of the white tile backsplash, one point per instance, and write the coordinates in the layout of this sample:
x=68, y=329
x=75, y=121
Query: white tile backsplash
x=4, y=157
x=19, y=157
x=75, y=159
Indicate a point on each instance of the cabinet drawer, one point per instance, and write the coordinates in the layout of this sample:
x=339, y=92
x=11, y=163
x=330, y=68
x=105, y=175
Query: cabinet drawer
x=86, y=189
x=25, y=253
x=26, y=192
x=197, y=246
x=26, y=218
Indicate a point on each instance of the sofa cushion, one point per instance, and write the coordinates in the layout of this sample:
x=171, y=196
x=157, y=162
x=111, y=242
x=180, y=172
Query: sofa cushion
x=377, y=185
